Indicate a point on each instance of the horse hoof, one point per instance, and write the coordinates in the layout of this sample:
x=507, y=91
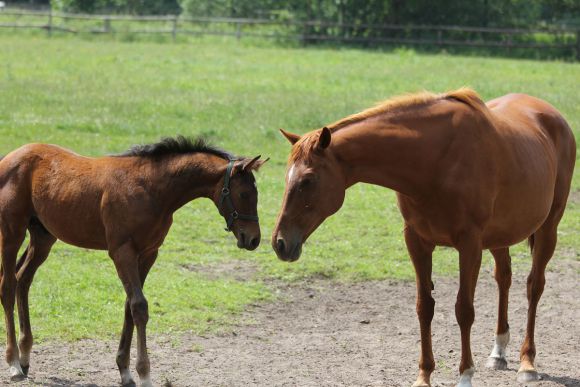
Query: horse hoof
x=129, y=384
x=25, y=369
x=496, y=363
x=17, y=378
x=529, y=376
x=421, y=383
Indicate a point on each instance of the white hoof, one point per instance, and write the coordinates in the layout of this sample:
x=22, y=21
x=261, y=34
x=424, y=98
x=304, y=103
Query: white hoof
x=496, y=363
x=127, y=379
x=528, y=376
x=16, y=373
x=465, y=378
x=146, y=382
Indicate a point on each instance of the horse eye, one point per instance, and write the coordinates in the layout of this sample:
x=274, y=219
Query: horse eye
x=305, y=183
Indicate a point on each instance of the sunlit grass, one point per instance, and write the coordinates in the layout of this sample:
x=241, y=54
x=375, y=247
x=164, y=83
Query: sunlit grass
x=99, y=97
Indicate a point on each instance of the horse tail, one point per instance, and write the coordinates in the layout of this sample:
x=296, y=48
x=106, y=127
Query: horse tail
x=531, y=242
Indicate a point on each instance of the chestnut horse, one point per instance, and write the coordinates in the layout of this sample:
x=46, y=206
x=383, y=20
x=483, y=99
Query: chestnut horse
x=467, y=175
x=123, y=204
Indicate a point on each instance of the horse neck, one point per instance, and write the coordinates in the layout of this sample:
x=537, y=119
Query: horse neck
x=188, y=177
x=392, y=155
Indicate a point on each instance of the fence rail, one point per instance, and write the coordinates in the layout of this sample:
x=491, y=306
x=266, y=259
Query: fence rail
x=304, y=31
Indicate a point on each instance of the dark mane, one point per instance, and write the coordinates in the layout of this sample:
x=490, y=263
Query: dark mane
x=175, y=145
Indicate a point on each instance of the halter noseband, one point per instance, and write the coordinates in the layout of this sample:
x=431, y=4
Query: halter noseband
x=225, y=197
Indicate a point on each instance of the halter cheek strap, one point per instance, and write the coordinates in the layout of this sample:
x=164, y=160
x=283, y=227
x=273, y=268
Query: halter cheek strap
x=231, y=214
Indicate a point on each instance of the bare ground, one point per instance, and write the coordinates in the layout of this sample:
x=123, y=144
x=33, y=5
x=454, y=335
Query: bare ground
x=322, y=333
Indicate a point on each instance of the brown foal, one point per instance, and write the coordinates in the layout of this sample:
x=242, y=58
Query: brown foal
x=469, y=175
x=123, y=204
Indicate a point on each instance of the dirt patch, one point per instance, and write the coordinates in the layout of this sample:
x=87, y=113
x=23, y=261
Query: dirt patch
x=325, y=334
x=236, y=269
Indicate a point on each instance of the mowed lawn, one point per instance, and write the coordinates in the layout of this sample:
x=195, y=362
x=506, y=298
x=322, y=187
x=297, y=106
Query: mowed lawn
x=99, y=97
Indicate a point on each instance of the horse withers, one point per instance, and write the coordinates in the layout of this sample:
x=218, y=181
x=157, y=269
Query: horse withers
x=467, y=174
x=123, y=204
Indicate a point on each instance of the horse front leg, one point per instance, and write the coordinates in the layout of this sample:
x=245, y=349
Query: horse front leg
x=126, y=261
x=421, y=252
x=470, y=252
x=124, y=352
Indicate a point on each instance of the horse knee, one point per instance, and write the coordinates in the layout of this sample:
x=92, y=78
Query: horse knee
x=464, y=312
x=535, y=286
x=426, y=309
x=140, y=311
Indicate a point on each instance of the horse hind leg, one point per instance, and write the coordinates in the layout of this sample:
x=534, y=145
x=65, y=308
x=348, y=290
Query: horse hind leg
x=544, y=244
x=12, y=235
x=41, y=242
x=503, y=276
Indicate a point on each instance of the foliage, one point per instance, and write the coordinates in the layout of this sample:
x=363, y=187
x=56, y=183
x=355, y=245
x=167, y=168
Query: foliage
x=100, y=97
x=137, y=7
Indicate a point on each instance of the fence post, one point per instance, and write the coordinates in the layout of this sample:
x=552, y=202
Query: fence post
x=578, y=45
x=106, y=25
x=174, y=28
x=238, y=30
x=49, y=26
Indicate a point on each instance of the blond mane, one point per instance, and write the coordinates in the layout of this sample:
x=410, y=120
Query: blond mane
x=408, y=101
x=465, y=95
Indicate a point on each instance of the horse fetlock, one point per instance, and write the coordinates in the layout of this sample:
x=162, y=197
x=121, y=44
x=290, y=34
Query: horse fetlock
x=126, y=378
x=146, y=381
x=465, y=378
x=497, y=359
x=423, y=380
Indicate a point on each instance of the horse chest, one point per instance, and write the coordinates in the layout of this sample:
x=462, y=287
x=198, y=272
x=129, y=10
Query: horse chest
x=433, y=221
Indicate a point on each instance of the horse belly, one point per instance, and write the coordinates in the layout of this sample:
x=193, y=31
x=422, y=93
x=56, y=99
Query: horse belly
x=74, y=219
x=518, y=213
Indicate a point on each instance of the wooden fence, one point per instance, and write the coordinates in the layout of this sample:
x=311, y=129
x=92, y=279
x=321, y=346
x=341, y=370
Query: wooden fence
x=565, y=39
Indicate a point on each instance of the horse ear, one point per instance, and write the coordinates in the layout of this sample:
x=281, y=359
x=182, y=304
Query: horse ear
x=293, y=138
x=324, y=138
x=253, y=164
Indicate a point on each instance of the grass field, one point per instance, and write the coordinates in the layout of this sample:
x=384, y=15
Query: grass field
x=100, y=97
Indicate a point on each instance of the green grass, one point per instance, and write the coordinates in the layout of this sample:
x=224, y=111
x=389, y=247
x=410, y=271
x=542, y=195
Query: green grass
x=98, y=96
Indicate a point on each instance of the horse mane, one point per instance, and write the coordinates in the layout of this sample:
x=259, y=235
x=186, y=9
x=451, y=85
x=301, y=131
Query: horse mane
x=407, y=101
x=465, y=95
x=174, y=146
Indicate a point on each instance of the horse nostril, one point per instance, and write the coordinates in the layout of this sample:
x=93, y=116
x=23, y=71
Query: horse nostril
x=280, y=245
x=254, y=243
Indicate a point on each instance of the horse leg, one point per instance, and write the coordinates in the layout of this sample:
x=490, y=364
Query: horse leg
x=41, y=242
x=126, y=262
x=123, y=354
x=544, y=244
x=11, y=237
x=421, y=255
x=503, y=276
x=469, y=264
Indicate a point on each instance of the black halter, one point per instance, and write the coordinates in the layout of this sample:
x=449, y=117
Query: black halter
x=226, y=198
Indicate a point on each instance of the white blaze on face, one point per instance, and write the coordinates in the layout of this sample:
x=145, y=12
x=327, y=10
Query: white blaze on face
x=291, y=173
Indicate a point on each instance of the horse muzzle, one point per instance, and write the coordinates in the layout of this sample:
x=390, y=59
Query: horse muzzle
x=288, y=251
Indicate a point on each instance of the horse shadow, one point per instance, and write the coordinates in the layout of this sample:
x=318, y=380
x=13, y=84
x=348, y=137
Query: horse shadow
x=563, y=380
x=54, y=381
